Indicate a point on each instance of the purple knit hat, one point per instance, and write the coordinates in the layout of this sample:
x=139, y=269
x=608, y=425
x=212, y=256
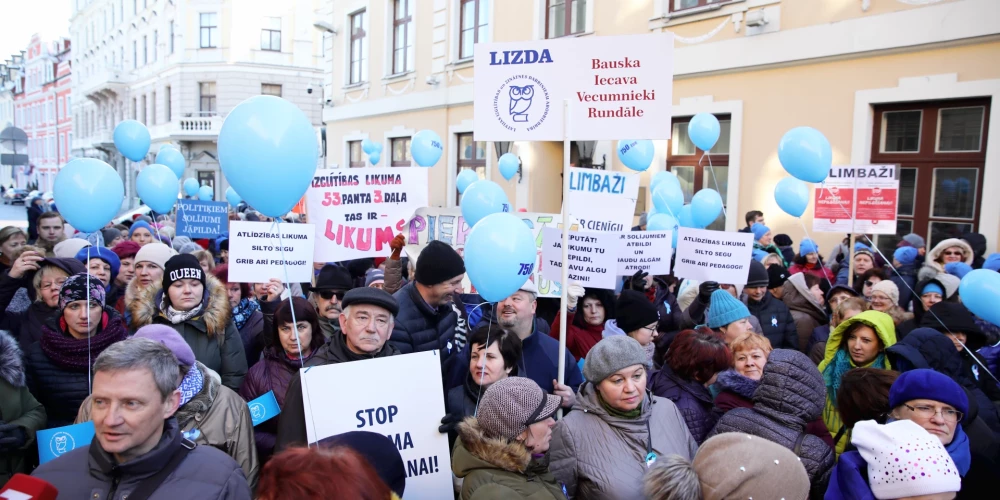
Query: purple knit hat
x=75, y=288
x=170, y=338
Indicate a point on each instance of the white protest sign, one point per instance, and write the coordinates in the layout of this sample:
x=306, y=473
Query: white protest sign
x=705, y=255
x=593, y=257
x=257, y=253
x=647, y=251
x=407, y=410
x=359, y=211
x=875, y=200
x=602, y=201
x=618, y=87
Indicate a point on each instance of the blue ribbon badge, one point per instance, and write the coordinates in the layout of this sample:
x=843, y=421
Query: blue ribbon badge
x=54, y=443
x=264, y=408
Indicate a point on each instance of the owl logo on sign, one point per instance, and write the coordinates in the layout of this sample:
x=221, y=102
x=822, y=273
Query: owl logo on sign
x=520, y=101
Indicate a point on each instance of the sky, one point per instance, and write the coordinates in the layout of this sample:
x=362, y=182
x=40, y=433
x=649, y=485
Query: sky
x=19, y=19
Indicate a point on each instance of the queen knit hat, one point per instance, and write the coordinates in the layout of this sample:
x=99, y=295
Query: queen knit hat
x=807, y=247
x=759, y=230
x=777, y=275
x=738, y=465
x=76, y=288
x=437, y=263
x=155, y=253
x=510, y=405
x=905, y=255
x=904, y=460
x=183, y=266
x=757, y=274
x=169, y=337
x=724, y=309
x=888, y=288
x=634, y=311
x=612, y=354
x=924, y=383
x=959, y=269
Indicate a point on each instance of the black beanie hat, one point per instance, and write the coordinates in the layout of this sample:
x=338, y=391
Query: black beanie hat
x=634, y=311
x=180, y=267
x=757, y=275
x=437, y=263
x=783, y=240
x=957, y=319
x=777, y=275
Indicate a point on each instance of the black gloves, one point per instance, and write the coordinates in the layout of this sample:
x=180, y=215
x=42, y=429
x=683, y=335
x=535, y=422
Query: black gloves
x=638, y=282
x=450, y=423
x=705, y=291
x=12, y=437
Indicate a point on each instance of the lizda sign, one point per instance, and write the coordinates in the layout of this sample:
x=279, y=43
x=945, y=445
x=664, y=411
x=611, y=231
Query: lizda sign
x=618, y=87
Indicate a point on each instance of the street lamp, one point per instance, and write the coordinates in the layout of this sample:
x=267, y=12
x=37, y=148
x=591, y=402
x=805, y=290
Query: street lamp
x=503, y=147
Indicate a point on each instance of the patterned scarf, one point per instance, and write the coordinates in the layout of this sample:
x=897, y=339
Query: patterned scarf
x=840, y=365
x=192, y=384
x=176, y=317
x=71, y=353
x=202, y=400
x=243, y=311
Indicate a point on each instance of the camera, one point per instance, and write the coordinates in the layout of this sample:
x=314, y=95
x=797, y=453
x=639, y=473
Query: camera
x=309, y=89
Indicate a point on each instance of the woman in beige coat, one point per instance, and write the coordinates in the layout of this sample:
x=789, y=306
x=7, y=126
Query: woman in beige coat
x=617, y=429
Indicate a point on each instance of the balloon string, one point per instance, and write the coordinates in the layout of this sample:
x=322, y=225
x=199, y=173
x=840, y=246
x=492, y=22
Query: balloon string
x=482, y=373
x=715, y=181
x=90, y=383
x=818, y=258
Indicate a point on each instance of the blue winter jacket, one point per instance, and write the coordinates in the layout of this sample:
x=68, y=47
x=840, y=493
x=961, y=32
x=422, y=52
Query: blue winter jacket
x=849, y=480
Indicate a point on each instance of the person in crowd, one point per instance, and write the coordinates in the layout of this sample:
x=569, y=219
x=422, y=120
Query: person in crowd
x=845, y=310
x=396, y=266
x=774, y=316
x=366, y=322
x=857, y=342
x=620, y=427
x=11, y=240
x=777, y=276
x=223, y=246
x=940, y=288
x=137, y=438
x=762, y=241
x=381, y=454
x=658, y=290
x=863, y=261
x=885, y=298
x=247, y=316
x=810, y=261
x=955, y=321
x=283, y=356
x=834, y=297
x=101, y=263
x=636, y=317
x=784, y=243
x=585, y=326
x=869, y=279
x=916, y=241
x=737, y=384
x=864, y=395
x=957, y=269
x=728, y=316
x=426, y=319
x=337, y=472
x=495, y=354
x=375, y=278
x=332, y=283
x=872, y=471
x=945, y=252
x=51, y=231
x=804, y=299
x=141, y=233
x=36, y=207
x=196, y=305
x=204, y=258
x=752, y=217
x=790, y=394
x=769, y=259
x=20, y=413
x=68, y=248
x=42, y=278
x=126, y=252
x=977, y=242
x=148, y=267
x=904, y=259
x=694, y=360
x=501, y=451
x=59, y=364
x=111, y=237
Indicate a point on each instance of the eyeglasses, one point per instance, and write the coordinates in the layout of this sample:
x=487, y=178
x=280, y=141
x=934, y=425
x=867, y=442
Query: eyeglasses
x=948, y=414
x=328, y=294
x=870, y=283
x=947, y=252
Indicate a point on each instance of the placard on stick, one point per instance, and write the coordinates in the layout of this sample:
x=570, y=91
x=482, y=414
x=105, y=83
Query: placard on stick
x=593, y=257
x=198, y=219
x=647, y=251
x=602, y=201
x=257, y=254
x=721, y=256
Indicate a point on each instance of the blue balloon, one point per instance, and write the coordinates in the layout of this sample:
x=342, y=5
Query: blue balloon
x=663, y=222
x=132, y=140
x=268, y=153
x=377, y=148
x=637, y=155
x=426, y=148
x=668, y=198
x=375, y=158
x=191, y=186
x=805, y=153
x=663, y=177
x=483, y=198
x=173, y=159
x=500, y=255
x=703, y=129
x=508, y=165
x=89, y=193
x=232, y=196
x=465, y=178
x=980, y=292
x=157, y=186
x=206, y=193
x=367, y=146
x=684, y=219
x=706, y=205
x=792, y=196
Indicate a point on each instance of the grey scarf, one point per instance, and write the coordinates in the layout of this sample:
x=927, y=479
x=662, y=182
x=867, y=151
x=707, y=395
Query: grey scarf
x=175, y=316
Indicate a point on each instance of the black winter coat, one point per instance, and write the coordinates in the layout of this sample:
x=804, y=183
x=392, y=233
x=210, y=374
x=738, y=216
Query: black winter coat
x=775, y=320
x=25, y=326
x=691, y=398
x=419, y=327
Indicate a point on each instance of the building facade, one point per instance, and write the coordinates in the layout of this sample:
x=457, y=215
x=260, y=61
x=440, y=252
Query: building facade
x=180, y=66
x=887, y=81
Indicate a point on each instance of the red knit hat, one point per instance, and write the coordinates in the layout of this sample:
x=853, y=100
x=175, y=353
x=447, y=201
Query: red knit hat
x=126, y=249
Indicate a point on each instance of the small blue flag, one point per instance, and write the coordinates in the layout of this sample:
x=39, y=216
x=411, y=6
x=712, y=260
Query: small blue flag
x=264, y=408
x=54, y=443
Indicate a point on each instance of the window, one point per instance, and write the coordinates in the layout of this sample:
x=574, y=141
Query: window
x=400, y=152
x=679, y=5
x=940, y=160
x=171, y=37
x=355, y=156
x=166, y=103
x=694, y=175
x=156, y=41
x=209, y=32
x=402, y=36
x=135, y=54
x=474, y=20
x=152, y=109
x=144, y=110
x=145, y=50
x=206, y=98
x=135, y=107
x=471, y=156
x=359, y=61
x=565, y=17
x=270, y=89
x=270, y=34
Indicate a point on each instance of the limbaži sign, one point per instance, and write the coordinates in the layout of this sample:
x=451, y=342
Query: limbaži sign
x=857, y=198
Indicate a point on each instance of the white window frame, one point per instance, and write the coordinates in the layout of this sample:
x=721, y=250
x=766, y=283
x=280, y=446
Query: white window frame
x=366, y=49
x=387, y=38
x=538, y=21
x=216, y=27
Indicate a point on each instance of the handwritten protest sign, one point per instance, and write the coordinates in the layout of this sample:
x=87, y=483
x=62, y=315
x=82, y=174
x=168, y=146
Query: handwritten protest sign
x=56, y=442
x=407, y=410
x=257, y=253
x=602, y=201
x=202, y=219
x=647, y=251
x=358, y=212
x=876, y=198
x=593, y=257
x=705, y=255
x=447, y=225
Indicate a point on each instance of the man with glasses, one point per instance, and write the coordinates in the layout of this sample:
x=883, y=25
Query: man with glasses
x=366, y=322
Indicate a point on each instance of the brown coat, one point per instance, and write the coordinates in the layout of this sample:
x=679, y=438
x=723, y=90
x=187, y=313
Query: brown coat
x=807, y=313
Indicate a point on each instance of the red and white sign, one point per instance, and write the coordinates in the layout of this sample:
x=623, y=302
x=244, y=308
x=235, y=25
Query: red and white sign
x=857, y=198
x=833, y=210
x=877, y=199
